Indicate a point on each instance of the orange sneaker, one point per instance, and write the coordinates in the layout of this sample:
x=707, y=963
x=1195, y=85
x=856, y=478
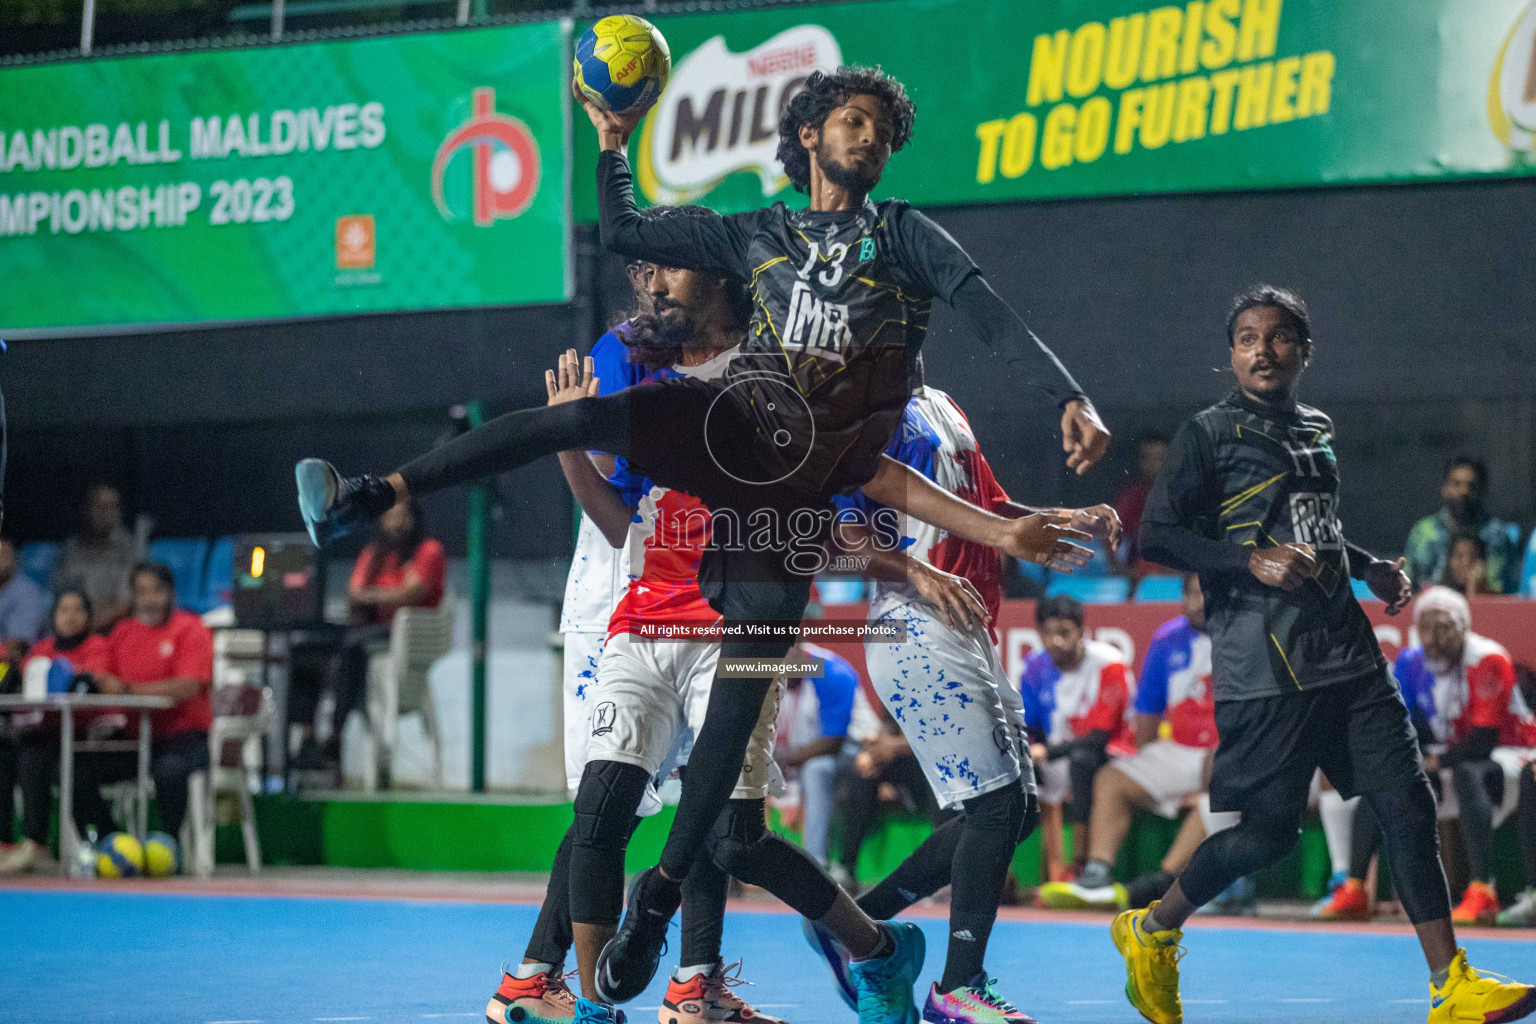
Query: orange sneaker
x=708, y=999
x=542, y=999
x=1349, y=903
x=1479, y=905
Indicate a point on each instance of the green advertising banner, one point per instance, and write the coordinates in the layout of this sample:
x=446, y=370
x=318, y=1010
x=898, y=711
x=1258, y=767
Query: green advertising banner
x=1059, y=98
x=408, y=172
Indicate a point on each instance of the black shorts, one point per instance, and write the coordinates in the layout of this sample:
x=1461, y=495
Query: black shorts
x=1358, y=732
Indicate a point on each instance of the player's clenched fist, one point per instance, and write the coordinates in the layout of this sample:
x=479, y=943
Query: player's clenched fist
x=1287, y=566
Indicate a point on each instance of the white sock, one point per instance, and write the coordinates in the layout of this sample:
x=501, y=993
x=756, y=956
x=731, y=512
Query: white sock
x=526, y=971
x=1215, y=821
x=1338, y=817
x=686, y=974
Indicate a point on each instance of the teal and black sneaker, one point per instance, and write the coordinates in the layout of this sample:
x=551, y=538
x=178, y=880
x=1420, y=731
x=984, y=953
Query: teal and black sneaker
x=884, y=986
x=334, y=505
x=832, y=951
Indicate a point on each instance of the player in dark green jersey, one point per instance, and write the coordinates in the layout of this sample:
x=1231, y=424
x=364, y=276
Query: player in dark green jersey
x=842, y=293
x=1249, y=500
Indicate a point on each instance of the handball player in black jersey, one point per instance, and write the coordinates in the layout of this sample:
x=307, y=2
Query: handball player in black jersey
x=842, y=293
x=1249, y=500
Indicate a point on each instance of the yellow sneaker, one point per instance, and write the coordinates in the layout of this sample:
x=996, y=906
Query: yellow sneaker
x=1470, y=998
x=1151, y=967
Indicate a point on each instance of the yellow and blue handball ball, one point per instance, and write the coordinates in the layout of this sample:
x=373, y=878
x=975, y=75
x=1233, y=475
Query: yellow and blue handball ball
x=162, y=855
x=622, y=63
x=119, y=855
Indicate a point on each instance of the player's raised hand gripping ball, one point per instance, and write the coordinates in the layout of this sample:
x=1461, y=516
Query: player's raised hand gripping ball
x=622, y=64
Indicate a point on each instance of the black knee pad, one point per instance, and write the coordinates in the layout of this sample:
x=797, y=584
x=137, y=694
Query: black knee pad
x=606, y=801
x=743, y=847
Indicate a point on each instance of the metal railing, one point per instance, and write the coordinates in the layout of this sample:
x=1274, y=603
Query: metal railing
x=274, y=21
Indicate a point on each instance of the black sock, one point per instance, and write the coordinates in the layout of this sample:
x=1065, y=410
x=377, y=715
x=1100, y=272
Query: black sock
x=551, y=938
x=660, y=893
x=992, y=825
x=925, y=871
x=704, y=893
x=1148, y=888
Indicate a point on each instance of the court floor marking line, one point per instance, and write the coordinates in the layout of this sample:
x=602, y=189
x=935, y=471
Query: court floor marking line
x=1021, y=915
x=1305, y=1000
x=343, y=1018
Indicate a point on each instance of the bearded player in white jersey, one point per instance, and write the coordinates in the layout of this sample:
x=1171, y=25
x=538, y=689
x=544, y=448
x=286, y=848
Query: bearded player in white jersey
x=946, y=687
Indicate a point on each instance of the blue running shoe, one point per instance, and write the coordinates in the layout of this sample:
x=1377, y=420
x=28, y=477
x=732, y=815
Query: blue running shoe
x=884, y=986
x=836, y=957
x=333, y=505
x=1320, y=908
x=629, y=960
x=588, y=1012
x=1240, y=899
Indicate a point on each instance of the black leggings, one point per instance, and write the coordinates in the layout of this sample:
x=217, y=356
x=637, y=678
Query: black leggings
x=30, y=760
x=1479, y=790
x=660, y=428
x=971, y=853
x=1527, y=821
x=1272, y=822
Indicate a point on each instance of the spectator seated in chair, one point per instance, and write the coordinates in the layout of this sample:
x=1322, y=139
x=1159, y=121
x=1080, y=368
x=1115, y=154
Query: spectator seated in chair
x=1165, y=776
x=821, y=721
x=1477, y=733
x=23, y=607
x=1075, y=693
x=884, y=771
x=1466, y=567
x=99, y=558
x=402, y=568
x=1131, y=500
x=157, y=651
x=30, y=757
x=1463, y=493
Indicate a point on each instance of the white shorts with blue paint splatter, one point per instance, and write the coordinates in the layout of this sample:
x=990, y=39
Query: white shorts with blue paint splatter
x=951, y=696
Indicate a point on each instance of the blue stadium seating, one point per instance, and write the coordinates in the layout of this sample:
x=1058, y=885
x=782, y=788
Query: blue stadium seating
x=1091, y=589
x=187, y=558
x=219, y=582
x=1528, y=569
x=38, y=559
x=1160, y=588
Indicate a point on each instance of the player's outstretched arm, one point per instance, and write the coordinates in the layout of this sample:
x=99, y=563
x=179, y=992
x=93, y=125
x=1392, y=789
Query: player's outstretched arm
x=954, y=597
x=602, y=502
x=1043, y=538
x=1084, y=437
x=697, y=239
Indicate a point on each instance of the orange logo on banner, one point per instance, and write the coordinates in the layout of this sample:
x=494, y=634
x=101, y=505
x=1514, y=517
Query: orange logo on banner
x=354, y=242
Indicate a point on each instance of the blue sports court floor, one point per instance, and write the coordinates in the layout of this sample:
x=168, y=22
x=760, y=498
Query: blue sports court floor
x=101, y=955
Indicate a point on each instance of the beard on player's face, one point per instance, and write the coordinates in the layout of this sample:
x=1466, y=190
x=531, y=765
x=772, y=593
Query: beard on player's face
x=845, y=175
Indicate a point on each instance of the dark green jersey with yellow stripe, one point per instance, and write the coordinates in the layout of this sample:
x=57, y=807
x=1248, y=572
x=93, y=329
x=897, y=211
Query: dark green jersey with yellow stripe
x=1241, y=475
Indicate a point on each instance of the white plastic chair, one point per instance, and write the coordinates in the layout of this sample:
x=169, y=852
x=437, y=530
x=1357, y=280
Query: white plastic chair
x=241, y=716
x=398, y=685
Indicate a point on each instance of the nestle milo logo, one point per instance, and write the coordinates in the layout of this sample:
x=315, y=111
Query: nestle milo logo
x=720, y=113
x=1512, y=91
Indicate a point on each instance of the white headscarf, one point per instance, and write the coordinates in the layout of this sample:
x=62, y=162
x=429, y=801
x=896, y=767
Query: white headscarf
x=1448, y=603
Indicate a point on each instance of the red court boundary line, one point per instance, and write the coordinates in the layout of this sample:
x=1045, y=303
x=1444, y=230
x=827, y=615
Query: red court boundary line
x=238, y=888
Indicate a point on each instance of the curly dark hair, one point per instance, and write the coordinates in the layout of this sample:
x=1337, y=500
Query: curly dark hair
x=1270, y=295
x=643, y=333
x=823, y=93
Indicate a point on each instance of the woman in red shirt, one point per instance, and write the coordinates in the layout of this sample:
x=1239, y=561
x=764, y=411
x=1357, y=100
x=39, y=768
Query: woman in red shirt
x=157, y=651
x=33, y=759
x=402, y=568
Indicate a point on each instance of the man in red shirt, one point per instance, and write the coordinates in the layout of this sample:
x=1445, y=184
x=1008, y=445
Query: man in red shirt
x=157, y=651
x=402, y=568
